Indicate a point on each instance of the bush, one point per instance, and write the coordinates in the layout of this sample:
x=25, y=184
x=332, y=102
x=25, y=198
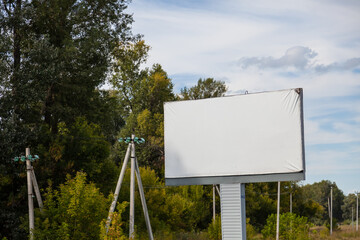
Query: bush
x=72, y=212
x=214, y=229
x=292, y=227
x=250, y=230
x=115, y=229
x=335, y=225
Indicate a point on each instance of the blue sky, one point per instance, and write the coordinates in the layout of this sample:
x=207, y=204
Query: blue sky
x=270, y=45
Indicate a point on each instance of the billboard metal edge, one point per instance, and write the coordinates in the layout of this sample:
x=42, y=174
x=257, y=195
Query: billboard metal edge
x=235, y=179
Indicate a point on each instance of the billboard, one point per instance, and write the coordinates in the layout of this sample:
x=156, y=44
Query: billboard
x=255, y=137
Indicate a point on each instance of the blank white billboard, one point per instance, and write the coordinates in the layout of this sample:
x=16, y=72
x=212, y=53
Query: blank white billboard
x=243, y=138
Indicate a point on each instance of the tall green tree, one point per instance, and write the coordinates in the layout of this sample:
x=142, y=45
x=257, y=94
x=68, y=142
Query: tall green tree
x=320, y=192
x=54, y=56
x=142, y=92
x=60, y=54
x=349, y=207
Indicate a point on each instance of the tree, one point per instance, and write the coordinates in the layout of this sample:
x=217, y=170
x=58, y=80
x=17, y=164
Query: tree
x=54, y=55
x=206, y=88
x=78, y=147
x=349, y=206
x=142, y=93
x=320, y=192
x=61, y=53
x=260, y=202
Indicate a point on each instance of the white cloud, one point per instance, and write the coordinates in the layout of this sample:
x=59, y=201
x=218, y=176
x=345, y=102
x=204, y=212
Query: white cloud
x=207, y=38
x=349, y=64
x=299, y=58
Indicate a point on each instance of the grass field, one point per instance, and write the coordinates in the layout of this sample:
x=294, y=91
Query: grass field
x=344, y=232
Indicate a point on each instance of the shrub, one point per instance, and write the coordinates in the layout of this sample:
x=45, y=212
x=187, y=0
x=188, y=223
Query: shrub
x=292, y=227
x=214, y=229
x=72, y=212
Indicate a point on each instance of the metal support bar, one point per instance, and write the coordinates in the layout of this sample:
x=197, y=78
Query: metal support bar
x=36, y=189
x=278, y=213
x=214, y=210
x=217, y=189
x=118, y=186
x=143, y=201
x=290, y=202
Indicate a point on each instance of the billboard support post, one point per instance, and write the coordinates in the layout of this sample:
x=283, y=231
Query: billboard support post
x=278, y=213
x=214, y=211
x=233, y=217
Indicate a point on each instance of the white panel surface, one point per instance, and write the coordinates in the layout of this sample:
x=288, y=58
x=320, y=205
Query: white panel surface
x=243, y=135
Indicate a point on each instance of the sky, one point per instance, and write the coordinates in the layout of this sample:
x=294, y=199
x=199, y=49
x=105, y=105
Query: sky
x=263, y=45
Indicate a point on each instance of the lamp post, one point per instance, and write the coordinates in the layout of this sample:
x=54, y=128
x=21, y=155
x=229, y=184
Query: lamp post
x=134, y=172
x=30, y=181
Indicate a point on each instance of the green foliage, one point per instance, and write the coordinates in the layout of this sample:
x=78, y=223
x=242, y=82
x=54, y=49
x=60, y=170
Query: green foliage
x=349, y=206
x=54, y=56
x=335, y=225
x=214, y=229
x=291, y=227
x=72, y=212
x=115, y=231
x=141, y=94
x=260, y=202
x=79, y=147
x=250, y=230
x=320, y=193
x=171, y=209
x=206, y=88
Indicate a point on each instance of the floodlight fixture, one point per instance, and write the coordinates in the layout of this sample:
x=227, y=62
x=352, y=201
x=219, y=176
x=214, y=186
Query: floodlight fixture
x=129, y=140
x=23, y=158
